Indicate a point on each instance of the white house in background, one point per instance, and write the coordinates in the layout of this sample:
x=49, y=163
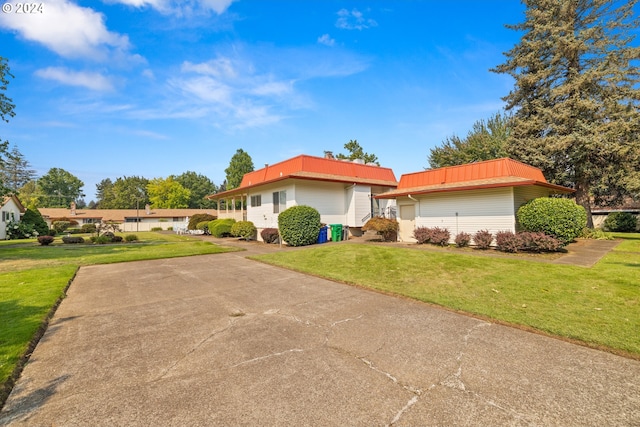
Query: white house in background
x=129, y=220
x=342, y=191
x=11, y=209
x=469, y=198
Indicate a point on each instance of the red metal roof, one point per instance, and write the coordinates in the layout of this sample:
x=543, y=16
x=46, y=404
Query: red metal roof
x=316, y=168
x=488, y=174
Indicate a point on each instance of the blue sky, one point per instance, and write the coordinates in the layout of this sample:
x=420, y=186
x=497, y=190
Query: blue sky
x=113, y=88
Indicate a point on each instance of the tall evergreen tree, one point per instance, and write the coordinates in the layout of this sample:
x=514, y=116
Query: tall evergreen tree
x=576, y=96
x=199, y=186
x=356, y=152
x=486, y=141
x=240, y=164
x=6, y=111
x=126, y=193
x=16, y=171
x=59, y=188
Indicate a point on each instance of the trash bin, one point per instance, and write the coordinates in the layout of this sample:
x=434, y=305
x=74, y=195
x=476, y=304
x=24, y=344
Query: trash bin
x=336, y=232
x=322, y=237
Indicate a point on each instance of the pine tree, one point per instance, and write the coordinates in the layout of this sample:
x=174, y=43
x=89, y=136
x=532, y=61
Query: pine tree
x=576, y=96
x=16, y=170
x=357, y=153
x=240, y=164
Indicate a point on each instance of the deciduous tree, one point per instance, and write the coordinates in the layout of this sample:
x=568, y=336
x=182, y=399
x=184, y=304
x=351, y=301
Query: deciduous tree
x=59, y=188
x=486, y=141
x=199, y=186
x=125, y=193
x=167, y=194
x=576, y=96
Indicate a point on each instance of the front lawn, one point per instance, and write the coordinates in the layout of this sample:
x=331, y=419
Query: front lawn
x=597, y=306
x=33, y=278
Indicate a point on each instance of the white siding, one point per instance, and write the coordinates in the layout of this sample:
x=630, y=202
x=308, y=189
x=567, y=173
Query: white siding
x=327, y=197
x=358, y=200
x=11, y=210
x=262, y=216
x=468, y=211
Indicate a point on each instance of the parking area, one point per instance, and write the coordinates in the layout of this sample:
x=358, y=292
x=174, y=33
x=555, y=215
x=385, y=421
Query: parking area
x=223, y=340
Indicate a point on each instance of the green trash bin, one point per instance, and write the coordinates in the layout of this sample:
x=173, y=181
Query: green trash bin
x=336, y=232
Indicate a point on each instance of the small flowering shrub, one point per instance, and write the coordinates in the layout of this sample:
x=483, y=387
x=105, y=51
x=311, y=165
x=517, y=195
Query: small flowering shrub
x=20, y=230
x=483, y=239
x=436, y=235
x=463, y=239
x=422, y=235
x=45, y=240
x=269, y=235
x=539, y=242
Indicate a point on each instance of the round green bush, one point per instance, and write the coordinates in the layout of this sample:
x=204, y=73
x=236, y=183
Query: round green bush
x=299, y=225
x=620, y=221
x=221, y=227
x=33, y=216
x=561, y=218
x=244, y=229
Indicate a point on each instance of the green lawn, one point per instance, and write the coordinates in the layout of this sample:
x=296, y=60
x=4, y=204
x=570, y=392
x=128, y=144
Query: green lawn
x=598, y=306
x=33, y=278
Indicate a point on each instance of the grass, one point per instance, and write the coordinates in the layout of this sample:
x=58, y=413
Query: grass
x=597, y=306
x=33, y=279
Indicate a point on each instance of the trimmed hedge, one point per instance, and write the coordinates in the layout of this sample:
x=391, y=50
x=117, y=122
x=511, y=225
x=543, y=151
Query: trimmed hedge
x=198, y=218
x=299, y=225
x=244, y=229
x=221, y=227
x=621, y=222
x=269, y=235
x=561, y=218
x=45, y=240
x=72, y=239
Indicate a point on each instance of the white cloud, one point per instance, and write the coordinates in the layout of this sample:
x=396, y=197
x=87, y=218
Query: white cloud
x=353, y=20
x=326, y=40
x=93, y=81
x=219, y=68
x=70, y=30
x=205, y=89
x=181, y=7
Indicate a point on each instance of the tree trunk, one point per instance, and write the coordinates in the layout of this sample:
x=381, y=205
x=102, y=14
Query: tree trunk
x=583, y=199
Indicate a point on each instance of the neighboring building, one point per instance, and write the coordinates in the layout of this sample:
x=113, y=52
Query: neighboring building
x=11, y=209
x=342, y=191
x=469, y=198
x=143, y=219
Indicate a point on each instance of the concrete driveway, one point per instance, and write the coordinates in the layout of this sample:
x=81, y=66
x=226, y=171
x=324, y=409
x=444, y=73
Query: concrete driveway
x=222, y=340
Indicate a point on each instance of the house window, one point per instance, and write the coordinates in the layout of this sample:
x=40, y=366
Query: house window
x=279, y=201
x=256, y=201
x=177, y=219
x=132, y=219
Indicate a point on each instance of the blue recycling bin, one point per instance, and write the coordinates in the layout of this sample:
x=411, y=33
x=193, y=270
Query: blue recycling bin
x=322, y=237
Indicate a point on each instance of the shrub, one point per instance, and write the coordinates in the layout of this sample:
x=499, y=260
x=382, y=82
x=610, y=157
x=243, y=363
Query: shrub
x=20, y=230
x=483, y=239
x=45, y=240
x=422, y=235
x=88, y=228
x=539, y=242
x=508, y=241
x=130, y=238
x=244, y=229
x=101, y=240
x=51, y=232
x=198, y=218
x=269, y=235
x=386, y=227
x=299, y=225
x=435, y=235
x=204, y=226
x=72, y=239
x=33, y=217
x=116, y=239
x=60, y=226
x=463, y=239
x=156, y=228
x=562, y=218
x=221, y=227
x=621, y=222
x=595, y=233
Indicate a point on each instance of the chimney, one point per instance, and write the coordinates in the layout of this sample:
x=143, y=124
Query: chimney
x=328, y=155
x=73, y=208
x=147, y=209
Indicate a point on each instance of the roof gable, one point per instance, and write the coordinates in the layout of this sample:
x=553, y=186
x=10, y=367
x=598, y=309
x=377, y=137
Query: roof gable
x=310, y=167
x=486, y=170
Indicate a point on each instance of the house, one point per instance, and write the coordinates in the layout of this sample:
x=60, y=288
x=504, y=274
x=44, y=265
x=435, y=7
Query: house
x=469, y=198
x=342, y=191
x=129, y=220
x=11, y=209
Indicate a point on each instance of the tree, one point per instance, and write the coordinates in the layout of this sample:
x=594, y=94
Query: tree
x=30, y=195
x=15, y=171
x=239, y=165
x=199, y=186
x=357, y=153
x=167, y=194
x=59, y=188
x=576, y=97
x=485, y=141
x=126, y=193
x=6, y=111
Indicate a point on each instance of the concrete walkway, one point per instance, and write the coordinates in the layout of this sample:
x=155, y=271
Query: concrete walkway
x=221, y=340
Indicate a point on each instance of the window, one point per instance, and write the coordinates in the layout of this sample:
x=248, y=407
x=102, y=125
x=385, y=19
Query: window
x=132, y=219
x=279, y=201
x=256, y=201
